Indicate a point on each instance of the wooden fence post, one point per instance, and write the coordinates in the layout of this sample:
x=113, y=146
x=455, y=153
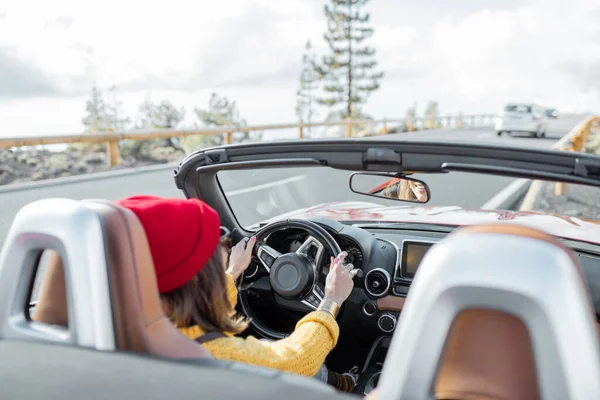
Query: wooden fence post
x=300, y=132
x=560, y=189
x=112, y=153
x=348, y=128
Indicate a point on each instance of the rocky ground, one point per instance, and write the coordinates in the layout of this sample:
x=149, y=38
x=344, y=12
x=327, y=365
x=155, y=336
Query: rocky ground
x=579, y=201
x=17, y=166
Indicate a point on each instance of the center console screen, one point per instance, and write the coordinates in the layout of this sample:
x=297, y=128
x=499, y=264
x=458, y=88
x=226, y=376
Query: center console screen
x=412, y=255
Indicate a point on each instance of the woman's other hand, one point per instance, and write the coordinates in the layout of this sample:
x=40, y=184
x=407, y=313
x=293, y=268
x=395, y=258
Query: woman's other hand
x=340, y=280
x=240, y=257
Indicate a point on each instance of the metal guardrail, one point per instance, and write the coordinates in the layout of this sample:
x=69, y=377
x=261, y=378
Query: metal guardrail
x=574, y=141
x=112, y=139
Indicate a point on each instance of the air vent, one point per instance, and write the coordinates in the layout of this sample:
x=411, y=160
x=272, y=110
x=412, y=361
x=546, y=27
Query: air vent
x=377, y=282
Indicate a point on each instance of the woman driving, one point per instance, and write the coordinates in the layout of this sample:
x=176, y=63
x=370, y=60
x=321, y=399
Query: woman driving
x=197, y=286
x=412, y=190
x=405, y=189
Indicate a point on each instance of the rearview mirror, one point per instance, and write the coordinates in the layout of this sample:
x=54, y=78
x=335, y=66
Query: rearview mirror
x=390, y=187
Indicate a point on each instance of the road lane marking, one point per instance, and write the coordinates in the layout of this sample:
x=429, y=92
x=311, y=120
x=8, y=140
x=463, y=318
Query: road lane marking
x=265, y=185
x=510, y=193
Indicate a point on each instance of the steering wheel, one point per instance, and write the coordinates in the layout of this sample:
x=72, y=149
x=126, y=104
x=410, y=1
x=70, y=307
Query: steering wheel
x=293, y=277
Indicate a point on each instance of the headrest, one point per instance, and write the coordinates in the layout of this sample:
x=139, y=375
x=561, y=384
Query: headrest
x=101, y=251
x=139, y=319
x=519, y=280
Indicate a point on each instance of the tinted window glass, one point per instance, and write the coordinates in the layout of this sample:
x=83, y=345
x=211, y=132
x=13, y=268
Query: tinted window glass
x=518, y=108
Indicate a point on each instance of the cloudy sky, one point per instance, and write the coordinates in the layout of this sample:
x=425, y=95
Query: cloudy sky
x=470, y=55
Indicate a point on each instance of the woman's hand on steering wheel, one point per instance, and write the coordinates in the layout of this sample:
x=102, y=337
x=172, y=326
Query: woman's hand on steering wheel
x=340, y=279
x=241, y=255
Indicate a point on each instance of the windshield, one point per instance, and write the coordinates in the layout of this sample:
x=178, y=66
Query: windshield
x=520, y=108
x=258, y=195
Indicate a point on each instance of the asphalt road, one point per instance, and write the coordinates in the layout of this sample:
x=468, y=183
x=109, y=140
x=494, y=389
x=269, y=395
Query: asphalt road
x=273, y=192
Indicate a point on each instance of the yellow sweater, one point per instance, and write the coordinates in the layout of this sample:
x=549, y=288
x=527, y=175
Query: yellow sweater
x=303, y=352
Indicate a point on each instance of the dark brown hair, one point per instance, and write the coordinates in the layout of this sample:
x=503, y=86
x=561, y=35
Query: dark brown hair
x=400, y=190
x=203, y=300
x=406, y=192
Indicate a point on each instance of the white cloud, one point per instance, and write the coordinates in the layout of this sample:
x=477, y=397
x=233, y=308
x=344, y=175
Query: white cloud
x=469, y=55
x=469, y=40
x=121, y=40
x=394, y=37
x=493, y=56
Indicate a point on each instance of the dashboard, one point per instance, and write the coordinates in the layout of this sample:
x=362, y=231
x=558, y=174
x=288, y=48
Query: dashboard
x=389, y=257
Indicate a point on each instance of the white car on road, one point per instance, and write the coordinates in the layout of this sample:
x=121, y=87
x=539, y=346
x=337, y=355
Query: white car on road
x=523, y=117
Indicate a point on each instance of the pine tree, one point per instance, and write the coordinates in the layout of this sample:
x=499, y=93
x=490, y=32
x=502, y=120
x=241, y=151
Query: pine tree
x=95, y=107
x=309, y=78
x=116, y=119
x=350, y=71
x=163, y=115
x=104, y=112
x=221, y=112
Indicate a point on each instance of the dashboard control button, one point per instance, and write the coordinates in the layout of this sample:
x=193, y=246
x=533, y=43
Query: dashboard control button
x=387, y=322
x=400, y=290
x=267, y=256
x=369, y=308
x=313, y=300
x=319, y=291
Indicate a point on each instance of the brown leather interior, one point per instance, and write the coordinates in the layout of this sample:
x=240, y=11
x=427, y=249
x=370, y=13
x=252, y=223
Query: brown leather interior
x=488, y=354
x=391, y=303
x=51, y=307
x=140, y=324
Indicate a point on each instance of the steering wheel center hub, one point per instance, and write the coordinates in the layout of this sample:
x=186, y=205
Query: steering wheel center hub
x=292, y=276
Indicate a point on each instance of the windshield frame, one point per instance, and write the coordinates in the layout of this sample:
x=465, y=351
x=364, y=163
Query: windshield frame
x=196, y=174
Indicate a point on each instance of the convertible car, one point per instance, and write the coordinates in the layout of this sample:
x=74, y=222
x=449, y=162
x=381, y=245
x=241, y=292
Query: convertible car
x=451, y=302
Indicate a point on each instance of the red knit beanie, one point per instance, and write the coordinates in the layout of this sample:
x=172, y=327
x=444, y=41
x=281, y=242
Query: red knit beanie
x=182, y=233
